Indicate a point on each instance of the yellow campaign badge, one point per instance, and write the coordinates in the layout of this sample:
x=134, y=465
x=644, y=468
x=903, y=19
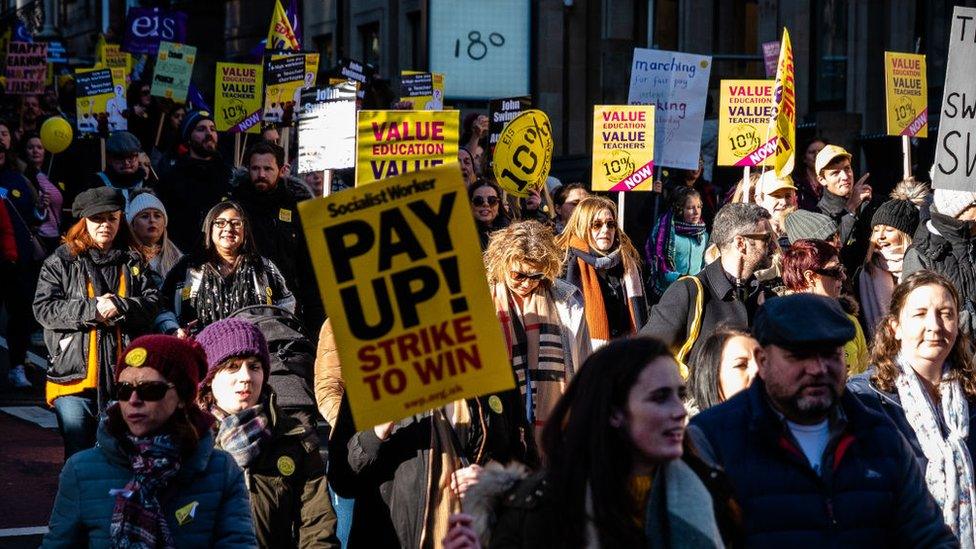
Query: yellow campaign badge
x=286, y=466
x=523, y=155
x=623, y=148
x=906, y=94
x=284, y=214
x=136, y=357
x=135, y=270
x=495, y=403
x=744, y=137
x=16, y=193
x=186, y=513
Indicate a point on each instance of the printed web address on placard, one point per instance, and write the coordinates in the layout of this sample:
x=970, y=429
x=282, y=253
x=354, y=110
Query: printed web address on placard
x=439, y=395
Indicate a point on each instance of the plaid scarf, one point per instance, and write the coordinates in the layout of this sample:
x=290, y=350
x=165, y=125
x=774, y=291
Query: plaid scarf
x=242, y=434
x=137, y=519
x=535, y=347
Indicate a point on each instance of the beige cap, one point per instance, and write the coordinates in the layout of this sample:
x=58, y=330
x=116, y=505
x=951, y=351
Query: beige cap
x=769, y=183
x=827, y=155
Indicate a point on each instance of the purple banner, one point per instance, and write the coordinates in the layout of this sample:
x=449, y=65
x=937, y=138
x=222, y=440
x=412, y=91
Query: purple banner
x=146, y=27
x=771, y=57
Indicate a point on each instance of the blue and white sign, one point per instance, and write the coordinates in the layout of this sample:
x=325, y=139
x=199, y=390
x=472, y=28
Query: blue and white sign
x=482, y=48
x=677, y=85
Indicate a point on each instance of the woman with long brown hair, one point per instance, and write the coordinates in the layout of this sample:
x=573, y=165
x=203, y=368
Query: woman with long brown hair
x=604, y=266
x=924, y=379
x=93, y=297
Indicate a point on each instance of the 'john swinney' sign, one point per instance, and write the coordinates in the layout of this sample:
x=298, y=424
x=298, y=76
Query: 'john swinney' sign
x=392, y=143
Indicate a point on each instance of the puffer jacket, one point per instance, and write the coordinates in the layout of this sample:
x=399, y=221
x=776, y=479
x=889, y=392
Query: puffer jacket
x=64, y=305
x=871, y=492
x=947, y=246
x=278, y=234
x=209, y=482
x=287, y=487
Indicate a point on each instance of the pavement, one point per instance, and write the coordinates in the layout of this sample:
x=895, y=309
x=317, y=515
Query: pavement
x=31, y=457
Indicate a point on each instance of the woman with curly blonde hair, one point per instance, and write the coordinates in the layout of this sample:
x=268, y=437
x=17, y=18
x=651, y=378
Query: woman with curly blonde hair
x=924, y=379
x=602, y=263
x=542, y=317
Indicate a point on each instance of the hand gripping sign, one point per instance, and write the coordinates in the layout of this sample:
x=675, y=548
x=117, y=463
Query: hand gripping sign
x=400, y=270
x=523, y=154
x=623, y=148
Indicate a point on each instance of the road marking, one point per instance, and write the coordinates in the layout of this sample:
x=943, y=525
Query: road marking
x=33, y=414
x=32, y=357
x=19, y=532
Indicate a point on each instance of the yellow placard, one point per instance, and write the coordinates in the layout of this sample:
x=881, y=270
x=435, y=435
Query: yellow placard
x=906, y=94
x=237, y=98
x=523, y=155
x=623, y=148
x=285, y=76
x=100, y=100
x=783, y=125
x=400, y=272
x=392, y=143
x=427, y=102
x=744, y=136
x=111, y=56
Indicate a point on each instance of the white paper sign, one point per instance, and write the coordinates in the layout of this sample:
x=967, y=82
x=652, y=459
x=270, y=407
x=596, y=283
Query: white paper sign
x=327, y=128
x=955, y=151
x=677, y=85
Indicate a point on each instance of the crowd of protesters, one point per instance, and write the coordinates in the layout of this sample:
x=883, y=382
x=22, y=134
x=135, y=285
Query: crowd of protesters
x=785, y=362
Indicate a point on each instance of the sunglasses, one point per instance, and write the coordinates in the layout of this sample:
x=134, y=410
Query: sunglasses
x=596, y=225
x=149, y=391
x=234, y=223
x=520, y=277
x=833, y=272
x=481, y=201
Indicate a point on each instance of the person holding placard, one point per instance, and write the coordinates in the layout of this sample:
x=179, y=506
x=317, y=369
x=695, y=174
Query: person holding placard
x=602, y=263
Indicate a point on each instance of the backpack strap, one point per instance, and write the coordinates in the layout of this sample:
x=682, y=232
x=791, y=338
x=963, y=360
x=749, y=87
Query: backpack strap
x=695, y=326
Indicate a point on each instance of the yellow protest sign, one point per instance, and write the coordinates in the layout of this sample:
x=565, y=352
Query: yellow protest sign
x=111, y=56
x=906, y=94
x=744, y=136
x=237, y=98
x=285, y=76
x=100, y=100
x=523, y=155
x=783, y=124
x=391, y=143
x=400, y=271
x=428, y=102
x=174, y=67
x=623, y=148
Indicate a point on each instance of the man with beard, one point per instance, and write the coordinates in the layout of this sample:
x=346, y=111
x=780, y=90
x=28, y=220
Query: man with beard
x=808, y=463
x=122, y=171
x=270, y=197
x=195, y=182
x=726, y=292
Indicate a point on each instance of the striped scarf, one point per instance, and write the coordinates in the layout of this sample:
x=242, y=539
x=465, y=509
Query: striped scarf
x=535, y=348
x=137, y=519
x=242, y=434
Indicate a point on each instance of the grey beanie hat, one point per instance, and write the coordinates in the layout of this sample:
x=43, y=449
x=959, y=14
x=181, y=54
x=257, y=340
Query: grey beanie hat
x=803, y=224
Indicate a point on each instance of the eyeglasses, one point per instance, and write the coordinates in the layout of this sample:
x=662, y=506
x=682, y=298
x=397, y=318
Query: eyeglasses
x=520, y=276
x=837, y=271
x=481, y=200
x=149, y=391
x=234, y=223
x=596, y=225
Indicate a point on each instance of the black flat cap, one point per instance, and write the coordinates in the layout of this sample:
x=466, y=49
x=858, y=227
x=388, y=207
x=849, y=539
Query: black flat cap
x=96, y=201
x=122, y=144
x=802, y=320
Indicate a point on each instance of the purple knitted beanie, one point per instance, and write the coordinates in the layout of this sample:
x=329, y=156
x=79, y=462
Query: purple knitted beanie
x=233, y=337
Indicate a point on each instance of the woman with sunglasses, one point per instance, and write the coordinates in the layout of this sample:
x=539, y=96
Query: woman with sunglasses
x=814, y=266
x=225, y=273
x=542, y=317
x=486, y=205
x=155, y=478
x=279, y=456
x=93, y=296
x=604, y=266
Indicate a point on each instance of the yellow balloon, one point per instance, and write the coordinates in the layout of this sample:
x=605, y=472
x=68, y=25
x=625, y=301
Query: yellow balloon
x=56, y=134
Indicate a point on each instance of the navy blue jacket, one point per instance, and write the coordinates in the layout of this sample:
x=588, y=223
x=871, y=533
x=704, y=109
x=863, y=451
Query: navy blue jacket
x=871, y=492
x=889, y=404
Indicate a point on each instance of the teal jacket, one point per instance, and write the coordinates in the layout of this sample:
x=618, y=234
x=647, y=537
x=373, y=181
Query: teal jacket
x=210, y=479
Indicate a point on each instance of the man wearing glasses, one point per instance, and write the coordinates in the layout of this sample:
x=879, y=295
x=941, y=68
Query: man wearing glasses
x=726, y=291
x=122, y=171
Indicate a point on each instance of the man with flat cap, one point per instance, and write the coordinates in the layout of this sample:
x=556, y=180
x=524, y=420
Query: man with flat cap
x=808, y=463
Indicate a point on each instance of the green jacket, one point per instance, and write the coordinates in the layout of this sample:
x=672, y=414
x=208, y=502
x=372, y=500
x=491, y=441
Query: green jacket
x=289, y=497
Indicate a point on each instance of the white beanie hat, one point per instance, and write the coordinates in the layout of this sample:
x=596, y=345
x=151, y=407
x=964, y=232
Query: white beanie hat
x=953, y=203
x=144, y=201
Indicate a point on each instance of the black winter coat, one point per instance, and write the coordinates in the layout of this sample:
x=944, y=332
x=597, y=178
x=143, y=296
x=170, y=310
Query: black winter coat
x=855, y=228
x=391, y=479
x=671, y=319
x=947, y=246
x=871, y=492
x=188, y=190
x=279, y=237
x=64, y=307
x=889, y=404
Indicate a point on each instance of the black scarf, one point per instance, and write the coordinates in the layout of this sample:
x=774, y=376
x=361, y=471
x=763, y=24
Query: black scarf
x=219, y=296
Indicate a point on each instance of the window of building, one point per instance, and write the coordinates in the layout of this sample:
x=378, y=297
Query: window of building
x=828, y=55
x=369, y=40
x=413, y=37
